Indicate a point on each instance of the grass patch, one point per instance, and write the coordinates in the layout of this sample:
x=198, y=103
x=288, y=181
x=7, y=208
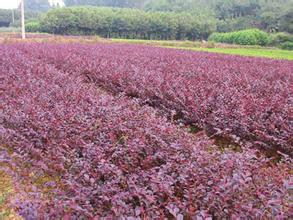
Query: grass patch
x=6, y=189
x=254, y=52
x=9, y=29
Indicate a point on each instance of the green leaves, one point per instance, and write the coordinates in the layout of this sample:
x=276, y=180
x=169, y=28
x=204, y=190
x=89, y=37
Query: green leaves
x=245, y=37
x=127, y=23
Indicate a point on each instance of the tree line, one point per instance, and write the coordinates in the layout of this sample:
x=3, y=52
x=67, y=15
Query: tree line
x=223, y=15
x=127, y=23
x=268, y=15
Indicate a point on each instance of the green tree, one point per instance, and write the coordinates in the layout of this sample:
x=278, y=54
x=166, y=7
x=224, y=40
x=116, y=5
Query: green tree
x=286, y=21
x=127, y=23
x=37, y=5
x=108, y=3
x=226, y=15
x=5, y=17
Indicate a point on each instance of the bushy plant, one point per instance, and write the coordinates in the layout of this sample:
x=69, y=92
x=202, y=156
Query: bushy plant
x=245, y=37
x=86, y=154
x=262, y=37
x=5, y=18
x=281, y=37
x=287, y=45
x=33, y=26
x=202, y=91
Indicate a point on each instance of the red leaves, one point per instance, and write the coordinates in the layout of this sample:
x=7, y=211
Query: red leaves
x=248, y=97
x=116, y=158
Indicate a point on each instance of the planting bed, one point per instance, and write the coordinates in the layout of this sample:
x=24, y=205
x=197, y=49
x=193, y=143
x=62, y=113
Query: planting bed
x=89, y=154
x=229, y=96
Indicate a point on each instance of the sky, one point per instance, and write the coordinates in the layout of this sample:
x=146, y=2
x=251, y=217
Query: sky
x=7, y=4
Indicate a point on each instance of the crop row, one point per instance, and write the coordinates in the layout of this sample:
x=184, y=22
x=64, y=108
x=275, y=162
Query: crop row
x=228, y=96
x=90, y=154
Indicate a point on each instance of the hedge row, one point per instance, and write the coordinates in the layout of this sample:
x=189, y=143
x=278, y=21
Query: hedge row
x=228, y=96
x=126, y=23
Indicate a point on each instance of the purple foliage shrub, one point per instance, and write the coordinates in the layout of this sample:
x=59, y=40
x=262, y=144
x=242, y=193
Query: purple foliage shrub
x=228, y=96
x=106, y=156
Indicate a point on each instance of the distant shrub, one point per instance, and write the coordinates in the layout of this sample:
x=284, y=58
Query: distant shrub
x=33, y=26
x=5, y=18
x=244, y=37
x=262, y=37
x=286, y=45
x=280, y=38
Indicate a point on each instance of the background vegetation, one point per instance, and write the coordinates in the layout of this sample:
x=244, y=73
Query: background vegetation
x=231, y=15
x=245, y=37
x=164, y=20
x=127, y=23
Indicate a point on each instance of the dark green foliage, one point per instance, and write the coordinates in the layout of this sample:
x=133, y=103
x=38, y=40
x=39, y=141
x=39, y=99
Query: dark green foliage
x=226, y=9
x=286, y=21
x=192, y=19
x=279, y=38
x=232, y=15
x=244, y=37
x=287, y=46
x=108, y=3
x=5, y=17
x=127, y=23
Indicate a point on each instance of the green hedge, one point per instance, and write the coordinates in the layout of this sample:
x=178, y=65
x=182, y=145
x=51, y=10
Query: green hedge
x=127, y=23
x=244, y=37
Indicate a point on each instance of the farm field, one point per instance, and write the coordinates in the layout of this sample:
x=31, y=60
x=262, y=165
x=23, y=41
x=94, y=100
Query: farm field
x=132, y=131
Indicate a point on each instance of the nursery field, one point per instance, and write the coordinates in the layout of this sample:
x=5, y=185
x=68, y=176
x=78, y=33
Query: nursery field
x=91, y=131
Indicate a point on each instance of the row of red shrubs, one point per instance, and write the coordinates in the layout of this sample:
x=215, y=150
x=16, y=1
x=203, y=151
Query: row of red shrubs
x=242, y=98
x=91, y=155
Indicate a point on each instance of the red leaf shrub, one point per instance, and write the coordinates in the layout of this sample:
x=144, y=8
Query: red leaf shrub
x=89, y=154
x=238, y=97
